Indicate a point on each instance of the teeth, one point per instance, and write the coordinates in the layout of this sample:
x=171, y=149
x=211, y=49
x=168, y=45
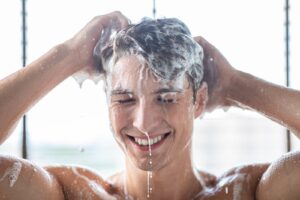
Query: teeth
x=151, y=141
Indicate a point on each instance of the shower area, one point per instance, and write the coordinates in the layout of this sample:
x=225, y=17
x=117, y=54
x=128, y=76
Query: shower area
x=70, y=125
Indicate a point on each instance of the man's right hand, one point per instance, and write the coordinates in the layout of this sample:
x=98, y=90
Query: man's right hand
x=22, y=89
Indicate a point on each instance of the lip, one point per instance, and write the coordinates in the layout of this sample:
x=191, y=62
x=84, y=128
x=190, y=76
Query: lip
x=146, y=147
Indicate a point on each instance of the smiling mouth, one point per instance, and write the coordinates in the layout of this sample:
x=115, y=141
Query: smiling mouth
x=145, y=142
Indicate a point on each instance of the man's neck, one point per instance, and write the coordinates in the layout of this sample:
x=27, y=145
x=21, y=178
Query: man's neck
x=177, y=180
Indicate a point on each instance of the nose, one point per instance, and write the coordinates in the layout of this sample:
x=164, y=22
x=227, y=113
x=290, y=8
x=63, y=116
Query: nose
x=146, y=117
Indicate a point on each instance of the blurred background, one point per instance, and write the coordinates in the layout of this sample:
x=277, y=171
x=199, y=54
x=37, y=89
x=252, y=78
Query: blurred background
x=70, y=125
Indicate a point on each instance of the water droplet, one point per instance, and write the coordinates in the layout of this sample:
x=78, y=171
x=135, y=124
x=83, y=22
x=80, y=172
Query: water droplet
x=226, y=190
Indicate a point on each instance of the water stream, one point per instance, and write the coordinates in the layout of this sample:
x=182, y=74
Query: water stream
x=149, y=172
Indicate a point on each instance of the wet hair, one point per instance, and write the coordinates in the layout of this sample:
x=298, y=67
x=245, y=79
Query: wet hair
x=166, y=45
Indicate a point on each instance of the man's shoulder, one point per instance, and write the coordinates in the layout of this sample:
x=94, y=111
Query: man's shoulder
x=80, y=182
x=282, y=179
x=254, y=170
x=251, y=171
x=247, y=176
x=22, y=179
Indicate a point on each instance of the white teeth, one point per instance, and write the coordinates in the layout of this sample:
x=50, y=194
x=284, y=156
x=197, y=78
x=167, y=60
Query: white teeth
x=144, y=142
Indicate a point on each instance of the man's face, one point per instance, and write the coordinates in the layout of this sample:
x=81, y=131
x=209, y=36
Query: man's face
x=148, y=113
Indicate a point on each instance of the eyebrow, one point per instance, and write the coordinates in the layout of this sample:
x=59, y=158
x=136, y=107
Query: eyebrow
x=159, y=91
x=120, y=92
x=166, y=90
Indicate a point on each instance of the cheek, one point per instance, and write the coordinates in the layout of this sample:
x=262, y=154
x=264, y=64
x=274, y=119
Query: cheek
x=186, y=110
x=184, y=118
x=118, y=119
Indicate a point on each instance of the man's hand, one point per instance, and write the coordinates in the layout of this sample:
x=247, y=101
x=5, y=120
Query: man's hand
x=218, y=74
x=83, y=43
x=22, y=89
x=230, y=87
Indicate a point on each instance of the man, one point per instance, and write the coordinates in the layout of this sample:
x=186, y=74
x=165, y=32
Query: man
x=154, y=93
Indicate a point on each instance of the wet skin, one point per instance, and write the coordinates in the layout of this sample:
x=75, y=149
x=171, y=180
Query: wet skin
x=67, y=183
x=21, y=179
x=140, y=106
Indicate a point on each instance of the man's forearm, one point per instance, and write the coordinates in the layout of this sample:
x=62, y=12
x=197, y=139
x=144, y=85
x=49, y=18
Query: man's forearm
x=276, y=102
x=22, y=89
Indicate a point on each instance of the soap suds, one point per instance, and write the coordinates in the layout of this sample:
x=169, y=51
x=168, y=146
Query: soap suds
x=238, y=186
x=12, y=173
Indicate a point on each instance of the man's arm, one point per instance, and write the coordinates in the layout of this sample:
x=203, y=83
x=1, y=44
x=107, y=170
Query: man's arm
x=276, y=102
x=281, y=180
x=230, y=87
x=20, y=179
x=22, y=89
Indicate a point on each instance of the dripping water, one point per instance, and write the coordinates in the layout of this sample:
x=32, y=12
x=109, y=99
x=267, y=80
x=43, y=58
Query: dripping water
x=149, y=172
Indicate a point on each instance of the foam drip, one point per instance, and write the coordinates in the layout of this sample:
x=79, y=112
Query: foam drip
x=80, y=77
x=238, y=186
x=12, y=173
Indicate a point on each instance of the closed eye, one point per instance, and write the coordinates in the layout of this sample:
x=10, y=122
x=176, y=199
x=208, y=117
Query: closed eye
x=125, y=101
x=166, y=100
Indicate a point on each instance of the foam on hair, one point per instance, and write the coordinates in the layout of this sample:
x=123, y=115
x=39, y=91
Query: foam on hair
x=165, y=44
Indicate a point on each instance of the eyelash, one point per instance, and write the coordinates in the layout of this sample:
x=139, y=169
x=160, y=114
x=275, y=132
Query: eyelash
x=166, y=101
x=159, y=99
x=125, y=101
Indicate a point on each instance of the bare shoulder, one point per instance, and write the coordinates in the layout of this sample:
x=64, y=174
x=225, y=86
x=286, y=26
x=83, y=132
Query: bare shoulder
x=207, y=179
x=21, y=179
x=80, y=182
x=282, y=179
x=254, y=171
x=237, y=183
x=246, y=177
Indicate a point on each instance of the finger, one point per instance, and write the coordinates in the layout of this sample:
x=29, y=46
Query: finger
x=200, y=40
x=208, y=47
x=123, y=20
x=116, y=20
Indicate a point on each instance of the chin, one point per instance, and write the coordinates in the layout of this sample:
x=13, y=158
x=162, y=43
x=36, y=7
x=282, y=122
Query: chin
x=141, y=159
x=144, y=164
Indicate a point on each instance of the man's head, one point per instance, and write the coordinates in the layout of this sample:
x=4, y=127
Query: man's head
x=165, y=44
x=153, y=72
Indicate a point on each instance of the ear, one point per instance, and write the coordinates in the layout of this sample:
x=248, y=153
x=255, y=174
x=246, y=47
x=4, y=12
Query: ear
x=201, y=100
